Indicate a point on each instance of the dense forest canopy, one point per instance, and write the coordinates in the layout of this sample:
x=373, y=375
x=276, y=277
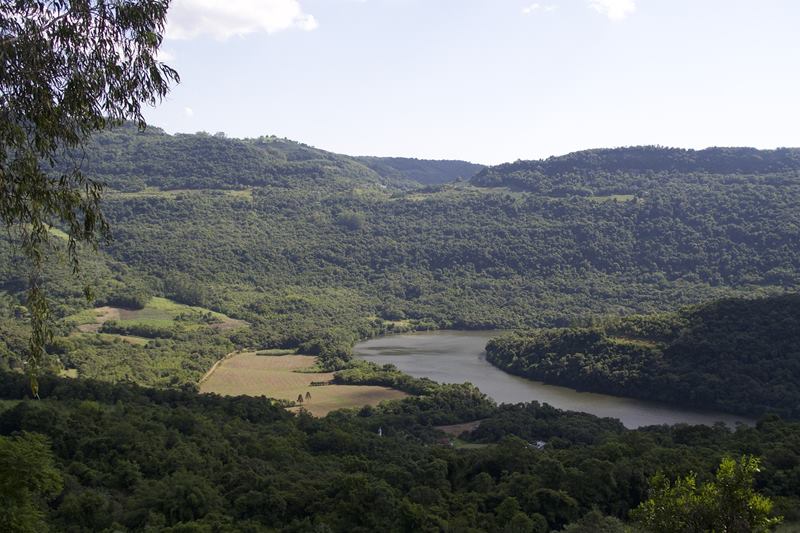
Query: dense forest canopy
x=316, y=250
x=221, y=244
x=132, y=368
x=735, y=355
x=127, y=159
x=119, y=457
x=632, y=169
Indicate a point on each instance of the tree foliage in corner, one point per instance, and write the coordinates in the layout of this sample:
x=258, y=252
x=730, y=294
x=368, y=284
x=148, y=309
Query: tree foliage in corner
x=729, y=503
x=67, y=68
x=30, y=477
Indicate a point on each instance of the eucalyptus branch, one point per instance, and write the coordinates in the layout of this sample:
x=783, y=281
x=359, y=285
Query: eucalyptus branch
x=67, y=68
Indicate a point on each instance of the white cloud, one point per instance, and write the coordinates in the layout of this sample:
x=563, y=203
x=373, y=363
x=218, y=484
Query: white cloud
x=531, y=8
x=222, y=19
x=188, y=111
x=614, y=9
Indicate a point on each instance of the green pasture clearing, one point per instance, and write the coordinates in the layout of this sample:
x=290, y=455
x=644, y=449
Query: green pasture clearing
x=155, y=192
x=111, y=337
x=612, y=198
x=87, y=316
x=159, y=313
x=247, y=194
x=282, y=377
x=276, y=352
x=634, y=342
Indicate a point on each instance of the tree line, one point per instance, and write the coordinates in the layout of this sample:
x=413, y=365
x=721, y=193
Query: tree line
x=735, y=355
x=101, y=457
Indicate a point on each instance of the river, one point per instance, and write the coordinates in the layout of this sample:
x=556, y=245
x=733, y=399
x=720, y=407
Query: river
x=459, y=356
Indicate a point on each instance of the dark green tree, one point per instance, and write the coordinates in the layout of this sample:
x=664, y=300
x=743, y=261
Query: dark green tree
x=28, y=477
x=596, y=522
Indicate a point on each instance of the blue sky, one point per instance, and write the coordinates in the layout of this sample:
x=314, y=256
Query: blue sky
x=486, y=80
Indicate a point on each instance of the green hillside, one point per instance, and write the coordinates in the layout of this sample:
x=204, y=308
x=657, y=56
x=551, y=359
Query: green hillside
x=316, y=250
x=203, y=333
x=641, y=169
x=463, y=256
x=736, y=355
x=130, y=160
x=427, y=172
x=221, y=244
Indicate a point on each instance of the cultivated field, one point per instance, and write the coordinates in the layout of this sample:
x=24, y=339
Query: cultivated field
x=274, y=376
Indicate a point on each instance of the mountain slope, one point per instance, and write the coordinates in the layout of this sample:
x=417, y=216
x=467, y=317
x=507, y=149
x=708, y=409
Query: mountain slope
x=638, y=170
x=322, y=257
x=130, y=160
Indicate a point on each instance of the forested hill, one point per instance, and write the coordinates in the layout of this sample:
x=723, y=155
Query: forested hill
x=637, y=170
x=127, y=159
x=737, y=355
x=428, y=172
x=131, y=160
x=316, y=250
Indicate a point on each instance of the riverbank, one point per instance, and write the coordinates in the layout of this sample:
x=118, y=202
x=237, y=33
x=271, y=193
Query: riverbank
x=448, y=356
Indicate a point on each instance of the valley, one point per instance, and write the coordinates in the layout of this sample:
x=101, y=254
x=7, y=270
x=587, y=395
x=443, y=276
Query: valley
x=295, y=266
x=593, y=271
x=458, y=357
x=235, y=244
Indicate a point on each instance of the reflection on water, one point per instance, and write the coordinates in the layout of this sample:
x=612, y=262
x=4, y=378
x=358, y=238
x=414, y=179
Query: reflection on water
x=458, y=356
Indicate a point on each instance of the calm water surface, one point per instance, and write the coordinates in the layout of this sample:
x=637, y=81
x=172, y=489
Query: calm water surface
x=458, y=356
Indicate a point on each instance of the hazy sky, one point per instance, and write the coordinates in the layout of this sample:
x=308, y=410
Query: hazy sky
x=487, y=80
